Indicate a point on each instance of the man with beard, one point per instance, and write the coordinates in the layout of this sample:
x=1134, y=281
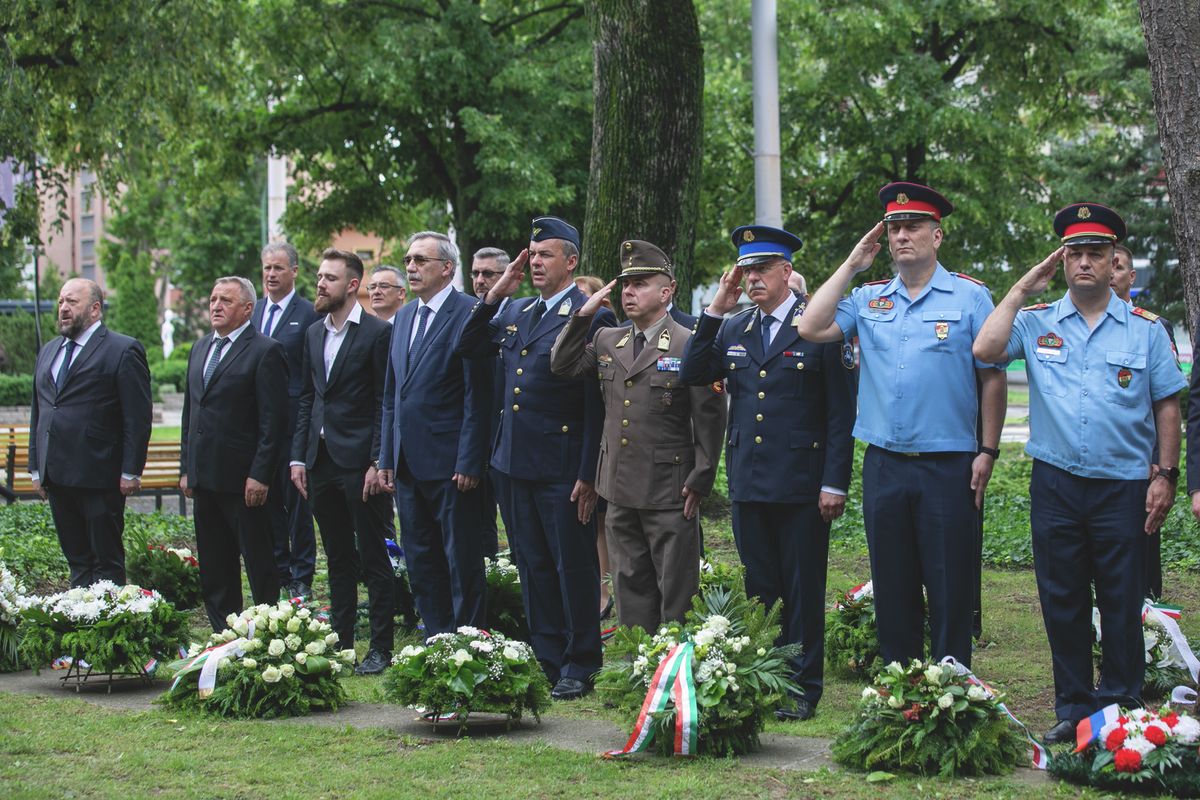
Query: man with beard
x=89, y=428
x=335, y=450
x=232, y=442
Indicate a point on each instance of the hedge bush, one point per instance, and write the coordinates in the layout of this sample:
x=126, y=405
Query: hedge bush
x=16, y=390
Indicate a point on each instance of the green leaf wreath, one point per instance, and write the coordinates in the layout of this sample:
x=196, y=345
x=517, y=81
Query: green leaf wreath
x=851, y=641
x=281, y=661
x=741, y=677
x=468, y=671
x=113, y=628
x=927, y=719
x=12, y=593
x=505, y=605
x=172, y=571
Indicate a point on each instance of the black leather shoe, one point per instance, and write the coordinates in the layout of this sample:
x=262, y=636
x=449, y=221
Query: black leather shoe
x=375, y=663
x=569, y=689
x=802, y=710
x=1064, y=731
x=301, y=589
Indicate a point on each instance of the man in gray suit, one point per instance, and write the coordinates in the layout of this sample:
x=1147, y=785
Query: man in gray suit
x=90, y=426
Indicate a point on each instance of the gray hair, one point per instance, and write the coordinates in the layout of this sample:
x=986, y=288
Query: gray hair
x=282, y=247
x=569, y=249
x=499, y=255
x=447, y=250
x=401, y=276
x=248, y=294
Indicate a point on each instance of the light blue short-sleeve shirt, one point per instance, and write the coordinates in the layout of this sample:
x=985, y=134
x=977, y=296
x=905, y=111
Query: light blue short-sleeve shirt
x=916, y=389
x=1092, y=390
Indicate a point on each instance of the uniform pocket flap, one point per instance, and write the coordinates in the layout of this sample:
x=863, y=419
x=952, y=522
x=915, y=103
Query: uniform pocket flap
x=803, y=440
x=949, y=315
x=671, y=455
x=664, y=380
x=1053, y=355
x=877, y=315
x=1122, y=358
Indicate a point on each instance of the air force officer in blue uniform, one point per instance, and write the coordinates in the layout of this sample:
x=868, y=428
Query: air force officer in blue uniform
x=1103, y=382
x=548, y=444
x=789, y=450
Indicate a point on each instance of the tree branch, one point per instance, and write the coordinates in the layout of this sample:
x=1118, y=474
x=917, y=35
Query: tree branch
x=501, y=25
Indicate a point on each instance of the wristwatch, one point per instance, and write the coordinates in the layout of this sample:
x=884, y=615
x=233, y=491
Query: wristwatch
x=994, y=452
x=1170, y=473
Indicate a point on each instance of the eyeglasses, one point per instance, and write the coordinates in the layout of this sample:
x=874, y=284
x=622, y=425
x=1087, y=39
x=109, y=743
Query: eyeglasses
x=385, y=286
x=419, y=260
x=486, y=273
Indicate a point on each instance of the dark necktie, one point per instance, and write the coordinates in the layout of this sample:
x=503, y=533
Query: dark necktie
x=270, y=318
x=766, y=323
x=218, y=345
x=66, y=364
x=639, y=342
x=539, y=308
x=416, y=342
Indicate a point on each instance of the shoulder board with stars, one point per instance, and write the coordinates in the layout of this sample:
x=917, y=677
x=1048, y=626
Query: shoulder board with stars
x=878, y=283
x=967, y=277
x=1036, y=307
x=1149, y=316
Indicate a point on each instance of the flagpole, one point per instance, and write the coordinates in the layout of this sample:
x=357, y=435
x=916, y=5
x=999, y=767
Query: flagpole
x=37, y=257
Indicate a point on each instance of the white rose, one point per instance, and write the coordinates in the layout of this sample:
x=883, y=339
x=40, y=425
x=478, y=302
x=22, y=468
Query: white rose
x=303, y=613
x=249, y=663
x=730, y=666
x=460, y=657
x=945, y=701
x=314, y=626
x=252, y=644
x=224, y=662
x=272, y=674
x=276, y=647
x=413, y=650
x=869, y=693
x=273, y=626
x=332, y=639
x=336, y=666
x=347, y=655
x=288, y=670
x=240, y=627
x=976, y=693
x=292, y=641
x=293, y=625
x=232, y=620
x=274, y=615
x=762, y=651
x=316, y=648
x=933, y=674
x=512, y=654
x=895, y=702
x=301, y=657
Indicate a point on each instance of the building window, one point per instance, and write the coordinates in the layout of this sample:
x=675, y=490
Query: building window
x=87, y=249
x=365, y=255
x=87, y=225
x=88, y=271
x=85, y=200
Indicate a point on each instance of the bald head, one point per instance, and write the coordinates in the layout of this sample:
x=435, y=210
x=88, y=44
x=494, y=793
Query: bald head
x=79, y=305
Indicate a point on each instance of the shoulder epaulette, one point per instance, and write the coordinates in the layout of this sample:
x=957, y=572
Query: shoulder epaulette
x=878, y=283
x=1149, y=316
x=967, y=277
x=1036, y=307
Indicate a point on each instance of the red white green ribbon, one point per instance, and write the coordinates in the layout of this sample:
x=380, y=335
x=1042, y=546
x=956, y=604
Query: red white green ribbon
x=673, y=682
x=1038, y=756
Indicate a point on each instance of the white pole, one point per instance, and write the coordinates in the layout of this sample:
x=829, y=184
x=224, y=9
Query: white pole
x=768, y=193
x=276, y=196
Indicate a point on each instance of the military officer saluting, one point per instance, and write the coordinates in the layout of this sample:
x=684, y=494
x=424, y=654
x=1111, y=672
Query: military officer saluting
x=547, y=444
x=1102, y=381
x=661, y=443
x=924, y=472
x=789, y=451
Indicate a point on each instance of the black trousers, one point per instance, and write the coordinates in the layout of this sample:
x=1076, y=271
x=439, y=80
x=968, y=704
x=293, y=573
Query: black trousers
x=352, y=533
x=90, y=523
x=226, y=529
x=921, y=522
x=785, y=547
x=1090, y=532
x=443, y=540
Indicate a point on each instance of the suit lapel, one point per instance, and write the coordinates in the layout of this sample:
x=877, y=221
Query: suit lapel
x=316, y=344
x=551, y=320
x=436, y=325
x=751, y=337
x=83, y=356
x=284, y=318
x=199, y=359
x=342, y=353
x=784, y=337
x=403, y=327
x=227, y=358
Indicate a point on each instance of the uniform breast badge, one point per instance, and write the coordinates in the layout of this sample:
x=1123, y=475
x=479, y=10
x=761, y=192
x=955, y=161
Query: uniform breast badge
x=1050, y=340
x=669, y=364
x=667, y=399
x=848, y=355
x=881, y=304
x=941, y=329
x=664, y=341
x=1124, y=376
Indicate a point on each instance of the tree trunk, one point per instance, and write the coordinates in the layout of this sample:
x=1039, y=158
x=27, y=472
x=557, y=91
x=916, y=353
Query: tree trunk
x=646, y=133
x=1172, y=29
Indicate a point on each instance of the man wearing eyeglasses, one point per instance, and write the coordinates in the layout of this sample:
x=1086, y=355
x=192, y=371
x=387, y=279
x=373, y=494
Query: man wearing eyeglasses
x=548, y=443
x=387, y=291
x=487, y=266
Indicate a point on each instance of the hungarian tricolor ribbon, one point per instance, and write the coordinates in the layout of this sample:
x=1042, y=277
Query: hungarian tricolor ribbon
x=673, y=682
x=1038, y=756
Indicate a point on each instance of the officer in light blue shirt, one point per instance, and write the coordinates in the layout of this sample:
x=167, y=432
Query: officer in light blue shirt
x=924, y=472
x=1103, y=383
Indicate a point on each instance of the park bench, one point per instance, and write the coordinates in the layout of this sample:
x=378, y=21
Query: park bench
x=160, y=477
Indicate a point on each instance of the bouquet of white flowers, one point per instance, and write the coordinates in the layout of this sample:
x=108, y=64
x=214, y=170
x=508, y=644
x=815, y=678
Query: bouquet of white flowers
x=113, y=628
x=468, y=671
x=505, y=606
x=11, y=593
x=272, y=661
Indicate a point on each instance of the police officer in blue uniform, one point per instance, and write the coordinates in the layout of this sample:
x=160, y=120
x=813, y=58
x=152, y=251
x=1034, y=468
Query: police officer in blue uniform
x=789, y=452
x=547, y=444
x=924, y=472
x=1102, y=379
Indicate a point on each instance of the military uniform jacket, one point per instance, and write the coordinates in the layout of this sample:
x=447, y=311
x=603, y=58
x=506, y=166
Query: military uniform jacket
x=791, y=408
x=549, y=427
x=659, y=435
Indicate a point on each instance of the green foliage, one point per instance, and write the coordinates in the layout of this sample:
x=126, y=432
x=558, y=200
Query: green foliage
x=734, y=704
x=718, y=574
x=171, y=372
x=851, y=637
x=18, y=341
x=505, y=606
x=928, y=720
x=16, y=390
x=173, y=573
x=132, y=305
x=469, y=671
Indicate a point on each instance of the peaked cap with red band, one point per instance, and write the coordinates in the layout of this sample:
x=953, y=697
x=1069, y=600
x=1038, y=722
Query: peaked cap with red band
x=904, y=201
x=1089, y=223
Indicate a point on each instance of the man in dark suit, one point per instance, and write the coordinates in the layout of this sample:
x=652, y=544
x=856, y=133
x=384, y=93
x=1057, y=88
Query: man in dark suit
x=233, y=438
x=284, y=315
x=789, y=450
x=89, y=426
x=336, y=447
x=547, y=444
x=487, y=266
x=435, y=424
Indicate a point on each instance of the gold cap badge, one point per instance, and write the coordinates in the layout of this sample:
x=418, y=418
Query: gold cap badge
x=748, y=236
x=901, y=198
x=1085, y=212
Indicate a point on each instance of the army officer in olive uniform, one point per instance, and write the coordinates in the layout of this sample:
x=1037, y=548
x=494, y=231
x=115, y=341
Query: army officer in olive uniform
x=789, y=451
x=659, y=451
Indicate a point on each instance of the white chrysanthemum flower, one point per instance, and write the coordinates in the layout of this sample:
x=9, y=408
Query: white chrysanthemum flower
x=718, y=624
x=482, y=646
x=1139, y=744
x=869, y=693
x=512, y=653
x=411, y=650
x=933, y=674
x=467, y=630
x=1187, y=730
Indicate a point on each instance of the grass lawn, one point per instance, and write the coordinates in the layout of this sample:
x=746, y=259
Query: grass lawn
x=164, y=433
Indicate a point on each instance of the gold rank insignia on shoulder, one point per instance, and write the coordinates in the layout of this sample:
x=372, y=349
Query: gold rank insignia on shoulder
x=1149, y=316
x=750, y=323
x=564, y=308
x=624, y=340
x=664, y=341
x=748, y=236
x=1036, y=307
x=1084, y=212
x=902, y=199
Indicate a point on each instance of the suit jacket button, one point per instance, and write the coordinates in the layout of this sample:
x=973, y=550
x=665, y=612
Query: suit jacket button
x=624, y=423
x=517, y=390
x=800, y=365
x=520, y=371
x=762, y=373
x=516, y=407
x=761, y=395
x=732, y=365
x=524, y=352
x=676, y=459
x=758, y=440
x=627, y=404
x=565, y=429
x=624, y=441
x=758, y=417
x=628, y=384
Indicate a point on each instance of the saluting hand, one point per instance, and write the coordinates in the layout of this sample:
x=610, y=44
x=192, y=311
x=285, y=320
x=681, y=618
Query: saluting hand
x=728, y=292
x=1037, y=279
x=510, y=281
x=863, y=254
x=594, y=302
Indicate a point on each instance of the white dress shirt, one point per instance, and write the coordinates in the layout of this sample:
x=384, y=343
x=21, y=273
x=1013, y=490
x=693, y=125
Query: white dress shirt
x=283, y=307
x=434, y=305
